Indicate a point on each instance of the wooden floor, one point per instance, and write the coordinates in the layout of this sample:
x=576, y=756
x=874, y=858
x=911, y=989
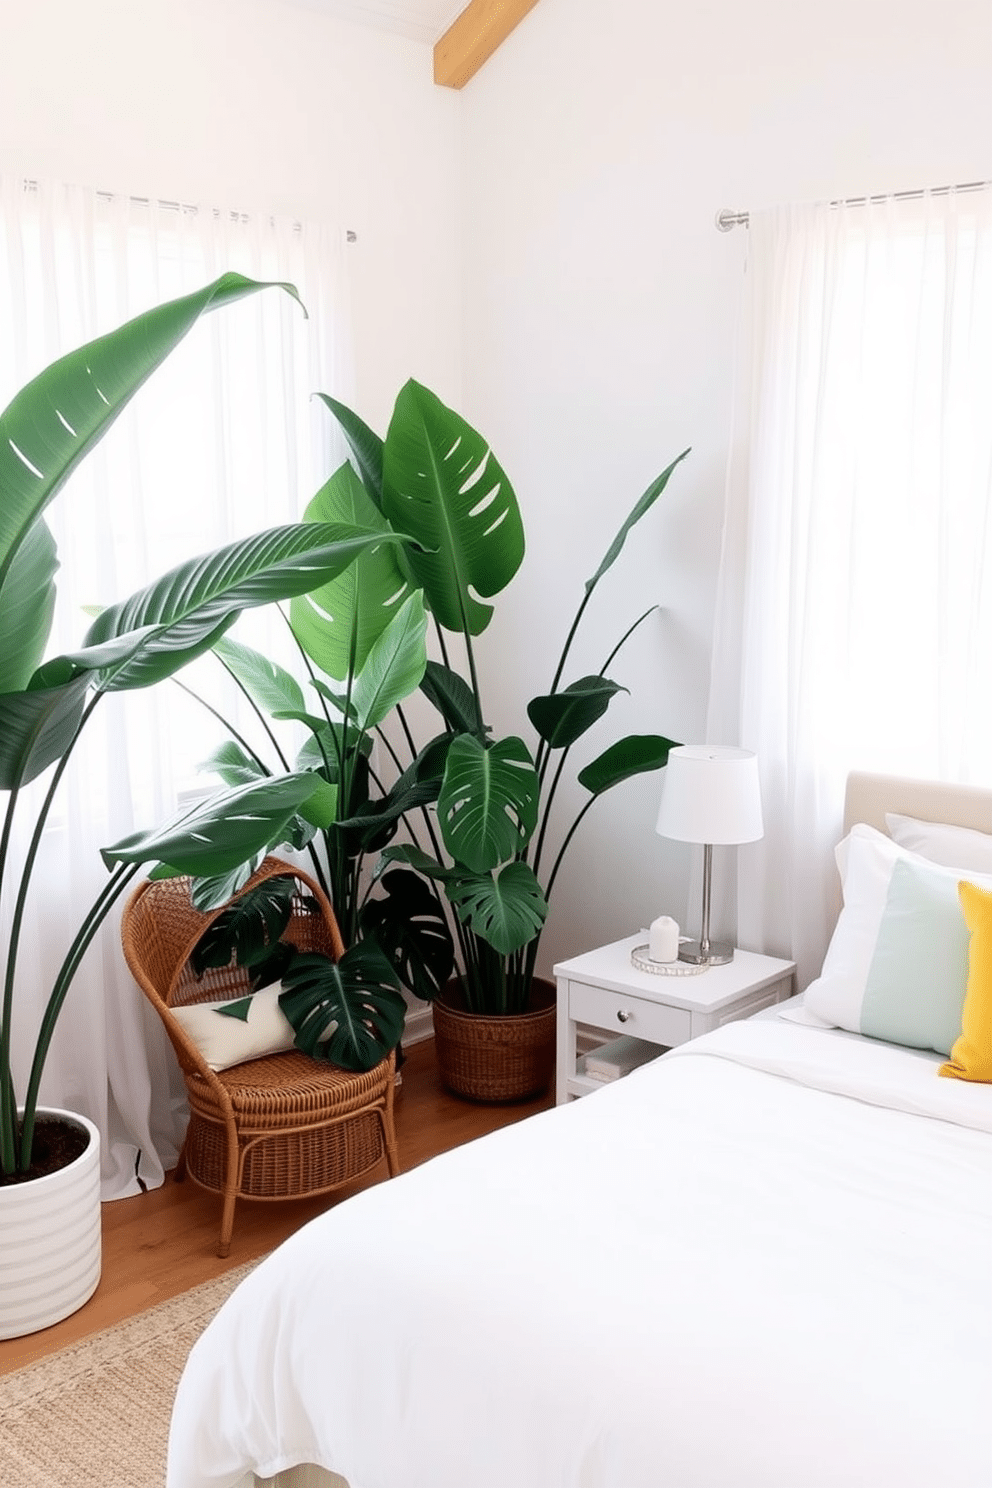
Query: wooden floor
x=161, y=1243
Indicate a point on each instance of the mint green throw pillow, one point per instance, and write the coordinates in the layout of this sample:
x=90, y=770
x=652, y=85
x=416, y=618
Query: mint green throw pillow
x=918, y=975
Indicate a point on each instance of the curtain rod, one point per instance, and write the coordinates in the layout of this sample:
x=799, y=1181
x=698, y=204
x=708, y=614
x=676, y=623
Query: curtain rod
x=175, y=206
x=728, y=219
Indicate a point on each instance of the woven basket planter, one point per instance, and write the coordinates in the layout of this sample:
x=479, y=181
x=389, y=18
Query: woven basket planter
x=494, y=1058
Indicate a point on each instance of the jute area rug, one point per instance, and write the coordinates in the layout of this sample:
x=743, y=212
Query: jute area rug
x=96, y=1414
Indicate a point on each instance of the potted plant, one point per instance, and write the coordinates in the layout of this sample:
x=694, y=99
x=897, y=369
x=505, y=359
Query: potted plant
x=48, y=428
x=478, y=811
x=436, y=478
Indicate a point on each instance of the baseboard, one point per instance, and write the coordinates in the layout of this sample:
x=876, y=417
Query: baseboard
x=419, y=1026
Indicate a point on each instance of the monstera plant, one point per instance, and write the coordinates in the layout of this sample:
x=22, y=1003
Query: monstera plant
x=477, y=812
x=48, y=428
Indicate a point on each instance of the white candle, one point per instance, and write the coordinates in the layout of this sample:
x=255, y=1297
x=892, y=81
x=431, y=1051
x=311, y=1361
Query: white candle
x=663, y=939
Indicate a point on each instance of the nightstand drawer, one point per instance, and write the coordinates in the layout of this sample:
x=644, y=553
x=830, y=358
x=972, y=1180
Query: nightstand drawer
x=627, y=1014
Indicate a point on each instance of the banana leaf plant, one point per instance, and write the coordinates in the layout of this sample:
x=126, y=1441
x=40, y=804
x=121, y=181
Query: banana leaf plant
x=45, y=432
x=382, y=666
x=477, y=811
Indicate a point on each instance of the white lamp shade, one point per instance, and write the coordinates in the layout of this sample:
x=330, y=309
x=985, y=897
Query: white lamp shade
x=710, y=794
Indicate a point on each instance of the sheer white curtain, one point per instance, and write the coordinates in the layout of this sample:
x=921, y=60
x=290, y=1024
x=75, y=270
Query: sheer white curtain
x=223, y=441
x=854, y=615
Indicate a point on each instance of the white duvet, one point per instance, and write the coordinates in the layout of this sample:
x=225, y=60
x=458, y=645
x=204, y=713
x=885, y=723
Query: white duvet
x=763, y=1261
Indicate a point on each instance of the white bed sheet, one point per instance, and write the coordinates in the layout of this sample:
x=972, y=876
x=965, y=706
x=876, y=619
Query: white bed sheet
x=759, y=1262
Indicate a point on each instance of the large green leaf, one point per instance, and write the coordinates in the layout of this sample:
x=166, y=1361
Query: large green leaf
x=248, y=928
x=505, y=909
x=562, y=717
x=394, y=667
x=339, y=623
x=443, y=485
x=269, y=686
x=57, y=418
x=27, y=604
x=193, y=604
x=36, y=728
x=220, y=834
x=415, y=857
x=418, y=786
x=645, y=503
x=488, y=803
x=328, y=744
x=410, y=927
x=234, y=765
x=95, y=659
x=365, y=446
x=635, y=755
x=453, y=699
x=359, y=994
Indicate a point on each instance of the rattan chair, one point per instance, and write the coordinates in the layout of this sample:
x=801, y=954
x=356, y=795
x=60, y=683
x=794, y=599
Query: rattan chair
x=280, y=1127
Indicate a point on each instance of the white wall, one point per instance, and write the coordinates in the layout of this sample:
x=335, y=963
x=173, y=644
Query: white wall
x=576, y=179
x=253, y=105
x=600, y=142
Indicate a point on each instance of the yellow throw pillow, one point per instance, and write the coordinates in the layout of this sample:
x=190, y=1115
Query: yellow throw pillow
x=971, y=1056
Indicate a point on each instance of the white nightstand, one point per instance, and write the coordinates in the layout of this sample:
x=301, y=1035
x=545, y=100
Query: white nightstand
x=603, y=990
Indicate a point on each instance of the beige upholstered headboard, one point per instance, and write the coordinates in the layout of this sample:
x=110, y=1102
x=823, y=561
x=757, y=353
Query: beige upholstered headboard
x=869, y=797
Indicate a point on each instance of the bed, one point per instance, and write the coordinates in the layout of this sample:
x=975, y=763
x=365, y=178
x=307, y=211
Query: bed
x=760, y=1261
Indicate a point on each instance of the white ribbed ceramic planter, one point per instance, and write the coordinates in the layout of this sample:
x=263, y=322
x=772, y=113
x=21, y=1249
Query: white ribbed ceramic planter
x=50, y=1240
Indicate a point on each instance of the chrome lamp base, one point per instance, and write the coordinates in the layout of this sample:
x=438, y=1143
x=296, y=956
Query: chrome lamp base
x=717, y=953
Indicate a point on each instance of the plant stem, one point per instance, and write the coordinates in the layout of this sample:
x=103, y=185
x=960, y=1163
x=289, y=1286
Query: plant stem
x=547, y=812
x=387, y=745
x=121, y=877
x=626, y=637
x=229, y=726
x=561, y=763
x=571, y=833
x=13, y=940
x=332, y=883
x=257, y=712
x=8, y=1104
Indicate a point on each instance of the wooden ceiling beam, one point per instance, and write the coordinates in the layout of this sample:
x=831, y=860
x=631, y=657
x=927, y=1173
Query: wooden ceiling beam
x=472, y=38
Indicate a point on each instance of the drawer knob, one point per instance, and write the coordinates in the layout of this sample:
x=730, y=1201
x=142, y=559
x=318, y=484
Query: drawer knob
x=623, y=1016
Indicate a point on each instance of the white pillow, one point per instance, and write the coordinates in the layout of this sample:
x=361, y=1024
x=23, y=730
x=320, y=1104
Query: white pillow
x=224, y=1040
x=955, y=847
x=897, y=965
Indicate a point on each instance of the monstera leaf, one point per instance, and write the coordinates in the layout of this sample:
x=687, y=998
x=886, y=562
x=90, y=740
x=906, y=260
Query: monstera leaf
x=488, y=802
x=505, y=909
x=350, y=1012
x=249, y=927
x=409, y=926
x=443, y=485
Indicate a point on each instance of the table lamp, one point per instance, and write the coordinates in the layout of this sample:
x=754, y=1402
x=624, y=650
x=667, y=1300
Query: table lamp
x=711, y=795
